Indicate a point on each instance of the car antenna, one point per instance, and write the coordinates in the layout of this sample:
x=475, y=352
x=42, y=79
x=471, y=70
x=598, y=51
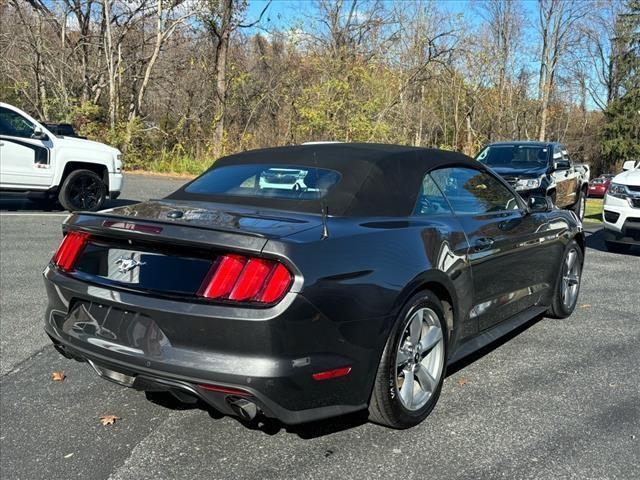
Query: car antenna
x=324, y=210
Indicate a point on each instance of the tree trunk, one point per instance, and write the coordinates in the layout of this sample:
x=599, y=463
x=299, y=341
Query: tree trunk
x=221, y=51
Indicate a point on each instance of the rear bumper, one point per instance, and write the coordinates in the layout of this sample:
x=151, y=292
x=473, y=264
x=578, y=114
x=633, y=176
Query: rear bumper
x=175, y=345
x=596, y=192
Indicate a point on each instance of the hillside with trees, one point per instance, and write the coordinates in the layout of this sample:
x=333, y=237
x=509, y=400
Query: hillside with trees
x=177, y=83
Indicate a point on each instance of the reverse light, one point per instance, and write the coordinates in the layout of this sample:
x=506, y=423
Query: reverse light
x=72, y=244
x=246, y=279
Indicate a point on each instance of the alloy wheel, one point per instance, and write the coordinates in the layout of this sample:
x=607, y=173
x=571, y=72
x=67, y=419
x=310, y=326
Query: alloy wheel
x=571, y=271
x=85, y=192
x=419, y=359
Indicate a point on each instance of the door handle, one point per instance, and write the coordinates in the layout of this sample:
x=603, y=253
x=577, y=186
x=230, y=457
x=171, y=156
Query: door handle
x=1, y=144
x=484, y=243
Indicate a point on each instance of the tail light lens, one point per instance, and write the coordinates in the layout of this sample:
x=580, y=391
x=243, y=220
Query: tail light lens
x=68, y=251
x=246, y=279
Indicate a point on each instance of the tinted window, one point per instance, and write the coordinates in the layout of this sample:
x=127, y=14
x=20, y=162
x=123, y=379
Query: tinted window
x=430, y=200
x=263, y=180
x=14, y=125
x=514, y=155
x=474, y=192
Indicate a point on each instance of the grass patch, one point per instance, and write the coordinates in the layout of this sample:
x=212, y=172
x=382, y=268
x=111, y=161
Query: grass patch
x=593, y=213
x=177, y=164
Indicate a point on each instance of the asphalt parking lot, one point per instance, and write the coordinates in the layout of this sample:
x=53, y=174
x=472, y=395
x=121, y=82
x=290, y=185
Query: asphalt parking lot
x=558, y=399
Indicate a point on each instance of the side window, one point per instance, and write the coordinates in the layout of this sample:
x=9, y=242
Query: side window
x=14, y=124
x=471, y=191
x=430, y=199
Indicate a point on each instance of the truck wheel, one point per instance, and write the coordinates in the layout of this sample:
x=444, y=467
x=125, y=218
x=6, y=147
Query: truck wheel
x=82, y=190
x=580, y=206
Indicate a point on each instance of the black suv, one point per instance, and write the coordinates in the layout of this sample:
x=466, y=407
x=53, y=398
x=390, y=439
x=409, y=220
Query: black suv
x=540, y=169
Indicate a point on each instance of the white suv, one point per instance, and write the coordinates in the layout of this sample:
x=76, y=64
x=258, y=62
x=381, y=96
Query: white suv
x=78, y=172
x=621, y=212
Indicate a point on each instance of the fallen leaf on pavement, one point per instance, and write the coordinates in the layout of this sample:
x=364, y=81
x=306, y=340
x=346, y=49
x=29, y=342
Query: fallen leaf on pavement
x=586, y=305
x=68, y=455
x=58, y=376
x=108, y=419
x=462, y=381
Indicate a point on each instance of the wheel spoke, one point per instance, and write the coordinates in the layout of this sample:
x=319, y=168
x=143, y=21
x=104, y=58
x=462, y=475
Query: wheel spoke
x=406, y=392
x=415, y=328
x=427, y=382
x=402, y=358
x=571, y=258
x=430, y=340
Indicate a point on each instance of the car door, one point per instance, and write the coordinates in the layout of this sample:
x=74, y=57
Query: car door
x=571, y=179
x=511, y=254
x=24, y=160
x=561, y=175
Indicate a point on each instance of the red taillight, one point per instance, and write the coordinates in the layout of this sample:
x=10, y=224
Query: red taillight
x=338, y=372
x=252, y=279
x=68, y=251
x=277, y=284
x=222, y=277
x=242, y=279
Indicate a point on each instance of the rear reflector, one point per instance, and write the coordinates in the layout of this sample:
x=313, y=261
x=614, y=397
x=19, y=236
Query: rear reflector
x=338, y=372
x=227, y=390
x=242, y=279
x=68, y=251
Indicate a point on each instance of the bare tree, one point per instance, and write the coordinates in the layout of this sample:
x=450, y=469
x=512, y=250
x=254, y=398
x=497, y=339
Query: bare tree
x=558, y=29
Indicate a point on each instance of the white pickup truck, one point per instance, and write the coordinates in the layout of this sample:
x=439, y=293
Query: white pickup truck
x=79, y=173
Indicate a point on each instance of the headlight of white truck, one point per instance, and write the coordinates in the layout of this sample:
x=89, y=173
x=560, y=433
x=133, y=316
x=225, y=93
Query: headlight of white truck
x=527, y=183
x=617, y=190
x=118, y=163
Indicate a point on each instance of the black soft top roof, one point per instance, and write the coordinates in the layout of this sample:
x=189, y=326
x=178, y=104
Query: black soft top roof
x=377, y=179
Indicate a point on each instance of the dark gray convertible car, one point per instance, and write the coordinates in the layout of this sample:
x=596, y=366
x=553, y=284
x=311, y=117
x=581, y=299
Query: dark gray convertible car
x=311, y=281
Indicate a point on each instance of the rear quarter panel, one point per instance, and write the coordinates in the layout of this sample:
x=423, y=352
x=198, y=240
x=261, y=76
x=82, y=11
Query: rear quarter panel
x=363, y=273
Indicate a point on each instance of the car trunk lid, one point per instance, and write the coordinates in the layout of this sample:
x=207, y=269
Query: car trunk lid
x=169, y=248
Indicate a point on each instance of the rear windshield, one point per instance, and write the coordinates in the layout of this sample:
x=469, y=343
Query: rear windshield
x=514, y=155
x=263, y=180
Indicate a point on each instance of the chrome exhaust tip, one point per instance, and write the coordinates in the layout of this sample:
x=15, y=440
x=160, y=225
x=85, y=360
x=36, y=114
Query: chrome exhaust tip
x=245, y=409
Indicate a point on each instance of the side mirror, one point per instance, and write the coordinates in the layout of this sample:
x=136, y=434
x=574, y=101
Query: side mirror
x=561, y=165
x=38, y=134
x=539, y=204
x=628, y=165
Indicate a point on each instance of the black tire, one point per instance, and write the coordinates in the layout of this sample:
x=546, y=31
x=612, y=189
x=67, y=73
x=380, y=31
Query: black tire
x=82, y=190
x=559, y=308
x=385, y=406
x=581, y=205
x=615, y=247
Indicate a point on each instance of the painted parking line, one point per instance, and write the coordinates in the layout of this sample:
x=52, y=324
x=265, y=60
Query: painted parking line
x=43, y=214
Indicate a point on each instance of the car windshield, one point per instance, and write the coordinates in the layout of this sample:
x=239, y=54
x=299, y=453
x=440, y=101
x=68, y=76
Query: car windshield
x=263, y=180
x=514, y=155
